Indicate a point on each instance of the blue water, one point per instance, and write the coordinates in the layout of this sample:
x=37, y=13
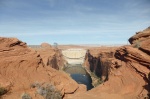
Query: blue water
x=83, y=79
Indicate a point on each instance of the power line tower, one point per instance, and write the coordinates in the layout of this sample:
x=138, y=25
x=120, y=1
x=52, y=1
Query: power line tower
x=55, y=45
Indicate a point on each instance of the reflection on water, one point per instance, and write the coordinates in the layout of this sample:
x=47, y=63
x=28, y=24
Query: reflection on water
x=79, y=74
x=83, y=79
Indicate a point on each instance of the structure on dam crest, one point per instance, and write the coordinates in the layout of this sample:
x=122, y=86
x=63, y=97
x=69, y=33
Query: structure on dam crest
x=74, y=56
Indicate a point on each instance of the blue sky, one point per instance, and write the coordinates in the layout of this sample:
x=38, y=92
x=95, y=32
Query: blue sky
x=73, y=21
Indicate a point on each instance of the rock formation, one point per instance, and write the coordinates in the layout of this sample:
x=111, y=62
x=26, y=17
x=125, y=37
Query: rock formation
x=141, y=40
x=51, y=57
x=20, y=67
x=140, y=36
x=98, y=62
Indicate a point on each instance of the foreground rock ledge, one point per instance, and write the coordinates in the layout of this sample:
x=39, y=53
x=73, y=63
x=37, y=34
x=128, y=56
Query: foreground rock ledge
x=21, y=66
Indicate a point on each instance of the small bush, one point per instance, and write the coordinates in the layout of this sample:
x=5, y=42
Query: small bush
x=26, y=96
x=137, y=44
x=48, y=92
x=3, y=91
x=51, y=93
x=95, y=79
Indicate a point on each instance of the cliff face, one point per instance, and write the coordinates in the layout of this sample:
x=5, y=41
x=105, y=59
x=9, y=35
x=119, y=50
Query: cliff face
x=52, y=57
x=137, y=57
x=20, y=67
x=98, y=62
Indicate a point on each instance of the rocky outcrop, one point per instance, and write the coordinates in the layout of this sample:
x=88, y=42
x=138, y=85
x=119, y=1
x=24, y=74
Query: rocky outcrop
x=135, y=59
x=140, y=36
x=98, y=64
x=144, y=46
x=141, y=40
x=52, y=57
x=128, y=76
x=128, y=53
x=20, y=67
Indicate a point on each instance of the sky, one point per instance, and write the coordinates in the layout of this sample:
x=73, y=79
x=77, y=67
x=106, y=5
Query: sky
x=103, y=22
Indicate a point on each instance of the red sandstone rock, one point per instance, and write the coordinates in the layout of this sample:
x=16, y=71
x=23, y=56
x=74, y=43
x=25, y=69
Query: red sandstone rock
x=145, y=46
x=133, y=54
x=140, y=36
x=21, y=66
x=52, y=57
x=81, y=90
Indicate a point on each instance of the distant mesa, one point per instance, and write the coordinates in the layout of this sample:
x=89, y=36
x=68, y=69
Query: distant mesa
x=46, y=45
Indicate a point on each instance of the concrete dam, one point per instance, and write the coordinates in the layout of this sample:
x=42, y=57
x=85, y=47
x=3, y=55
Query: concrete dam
x=74, y=56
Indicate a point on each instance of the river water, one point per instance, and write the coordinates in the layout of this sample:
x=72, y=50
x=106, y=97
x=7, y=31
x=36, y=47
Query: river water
x=79, y=74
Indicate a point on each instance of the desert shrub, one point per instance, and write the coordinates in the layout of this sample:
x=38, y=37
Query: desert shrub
x=3, y=91
x=51, y=93
x=26, y=96
x=95, y=79
x=137, y=44
x=48, y=92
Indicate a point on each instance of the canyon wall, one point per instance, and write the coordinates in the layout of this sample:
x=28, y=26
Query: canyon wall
x=52, y=57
